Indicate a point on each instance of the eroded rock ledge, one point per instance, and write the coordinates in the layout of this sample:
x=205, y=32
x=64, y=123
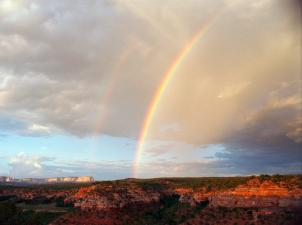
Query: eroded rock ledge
x=252, y=194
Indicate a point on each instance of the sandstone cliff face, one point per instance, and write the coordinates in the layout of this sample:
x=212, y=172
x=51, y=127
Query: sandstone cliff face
x=221, y=201
x=84, y=179
x=258, y=194
x=102, y=197
x=253, y=201
x=262, y=200
x=108, y=195
x=252, y=194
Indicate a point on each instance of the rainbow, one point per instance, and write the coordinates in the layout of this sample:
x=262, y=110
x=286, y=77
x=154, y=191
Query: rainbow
x=167, y=78
x=111, y=86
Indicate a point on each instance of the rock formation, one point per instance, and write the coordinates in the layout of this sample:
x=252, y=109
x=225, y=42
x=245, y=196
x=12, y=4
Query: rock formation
x=259, y=194
x=83, y=179
x=99, y=197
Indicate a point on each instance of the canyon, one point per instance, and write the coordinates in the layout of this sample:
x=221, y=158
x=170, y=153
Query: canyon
x=241, y=200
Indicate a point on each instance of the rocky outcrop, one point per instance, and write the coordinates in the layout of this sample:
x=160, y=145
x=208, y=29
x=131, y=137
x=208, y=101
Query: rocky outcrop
x=118, y=194
x=188, y=198
x=84, y=179
x=253, y=201
x=192, y=197
x=258, y=194
x=100, y=197
x=39, y=194
x=10, y=180
x=252, y=194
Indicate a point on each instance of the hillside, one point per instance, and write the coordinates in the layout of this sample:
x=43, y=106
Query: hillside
x=229, y=200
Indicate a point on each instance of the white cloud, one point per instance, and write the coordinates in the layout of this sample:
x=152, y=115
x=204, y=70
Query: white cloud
x=36, y=128
x=233, y=90
x=26, y=166
x=8, y=6
x=172, y=127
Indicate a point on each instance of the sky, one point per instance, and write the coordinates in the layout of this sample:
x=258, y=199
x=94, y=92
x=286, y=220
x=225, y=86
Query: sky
x=77, y=79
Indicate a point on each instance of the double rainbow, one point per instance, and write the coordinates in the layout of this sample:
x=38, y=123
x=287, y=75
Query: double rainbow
x=165, y=81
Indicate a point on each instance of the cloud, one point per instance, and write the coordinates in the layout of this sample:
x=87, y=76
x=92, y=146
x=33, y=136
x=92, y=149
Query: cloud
x=296, y=132
x=269, y=139
x=56, y=68
x=89, y=68
x=22, y=127
x=36, y=128
x=173, y=127
x=232, y=90
x=25, y=165
x=218, y=167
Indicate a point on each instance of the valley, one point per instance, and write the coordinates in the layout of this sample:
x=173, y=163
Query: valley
x=210, y=200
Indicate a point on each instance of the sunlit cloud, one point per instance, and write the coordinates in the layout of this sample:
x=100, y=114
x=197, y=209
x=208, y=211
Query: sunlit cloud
x=87, y=69
x=8, y=6
x=232, y=90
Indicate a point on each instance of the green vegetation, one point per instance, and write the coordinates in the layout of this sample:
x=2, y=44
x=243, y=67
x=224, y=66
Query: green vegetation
x=210, y=183
x=170, y=211
x=60, y=203
x=206, y=183
x=67, y=186
x=289, y=180
x=42, y=210
x=10, y=214
x=50, y=207
x=151, y=185
x=36, y=211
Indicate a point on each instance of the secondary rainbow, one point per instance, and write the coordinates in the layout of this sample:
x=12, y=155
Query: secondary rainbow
x=168, y=76
x=118, y=73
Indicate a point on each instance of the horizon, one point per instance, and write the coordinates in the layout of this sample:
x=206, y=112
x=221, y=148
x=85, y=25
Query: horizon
x=164, y=177
x=151, y=178
x=139, y=89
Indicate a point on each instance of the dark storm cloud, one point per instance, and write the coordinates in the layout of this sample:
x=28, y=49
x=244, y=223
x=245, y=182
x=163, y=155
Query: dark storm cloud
x=269, y=140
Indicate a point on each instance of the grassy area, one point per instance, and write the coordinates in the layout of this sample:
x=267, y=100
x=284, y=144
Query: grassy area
x=67, y=186
x=210, y=183
x=51, y=207
x=11, y=214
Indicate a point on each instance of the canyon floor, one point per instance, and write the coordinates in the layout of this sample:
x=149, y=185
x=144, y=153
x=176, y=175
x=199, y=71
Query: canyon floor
x=249, y=200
